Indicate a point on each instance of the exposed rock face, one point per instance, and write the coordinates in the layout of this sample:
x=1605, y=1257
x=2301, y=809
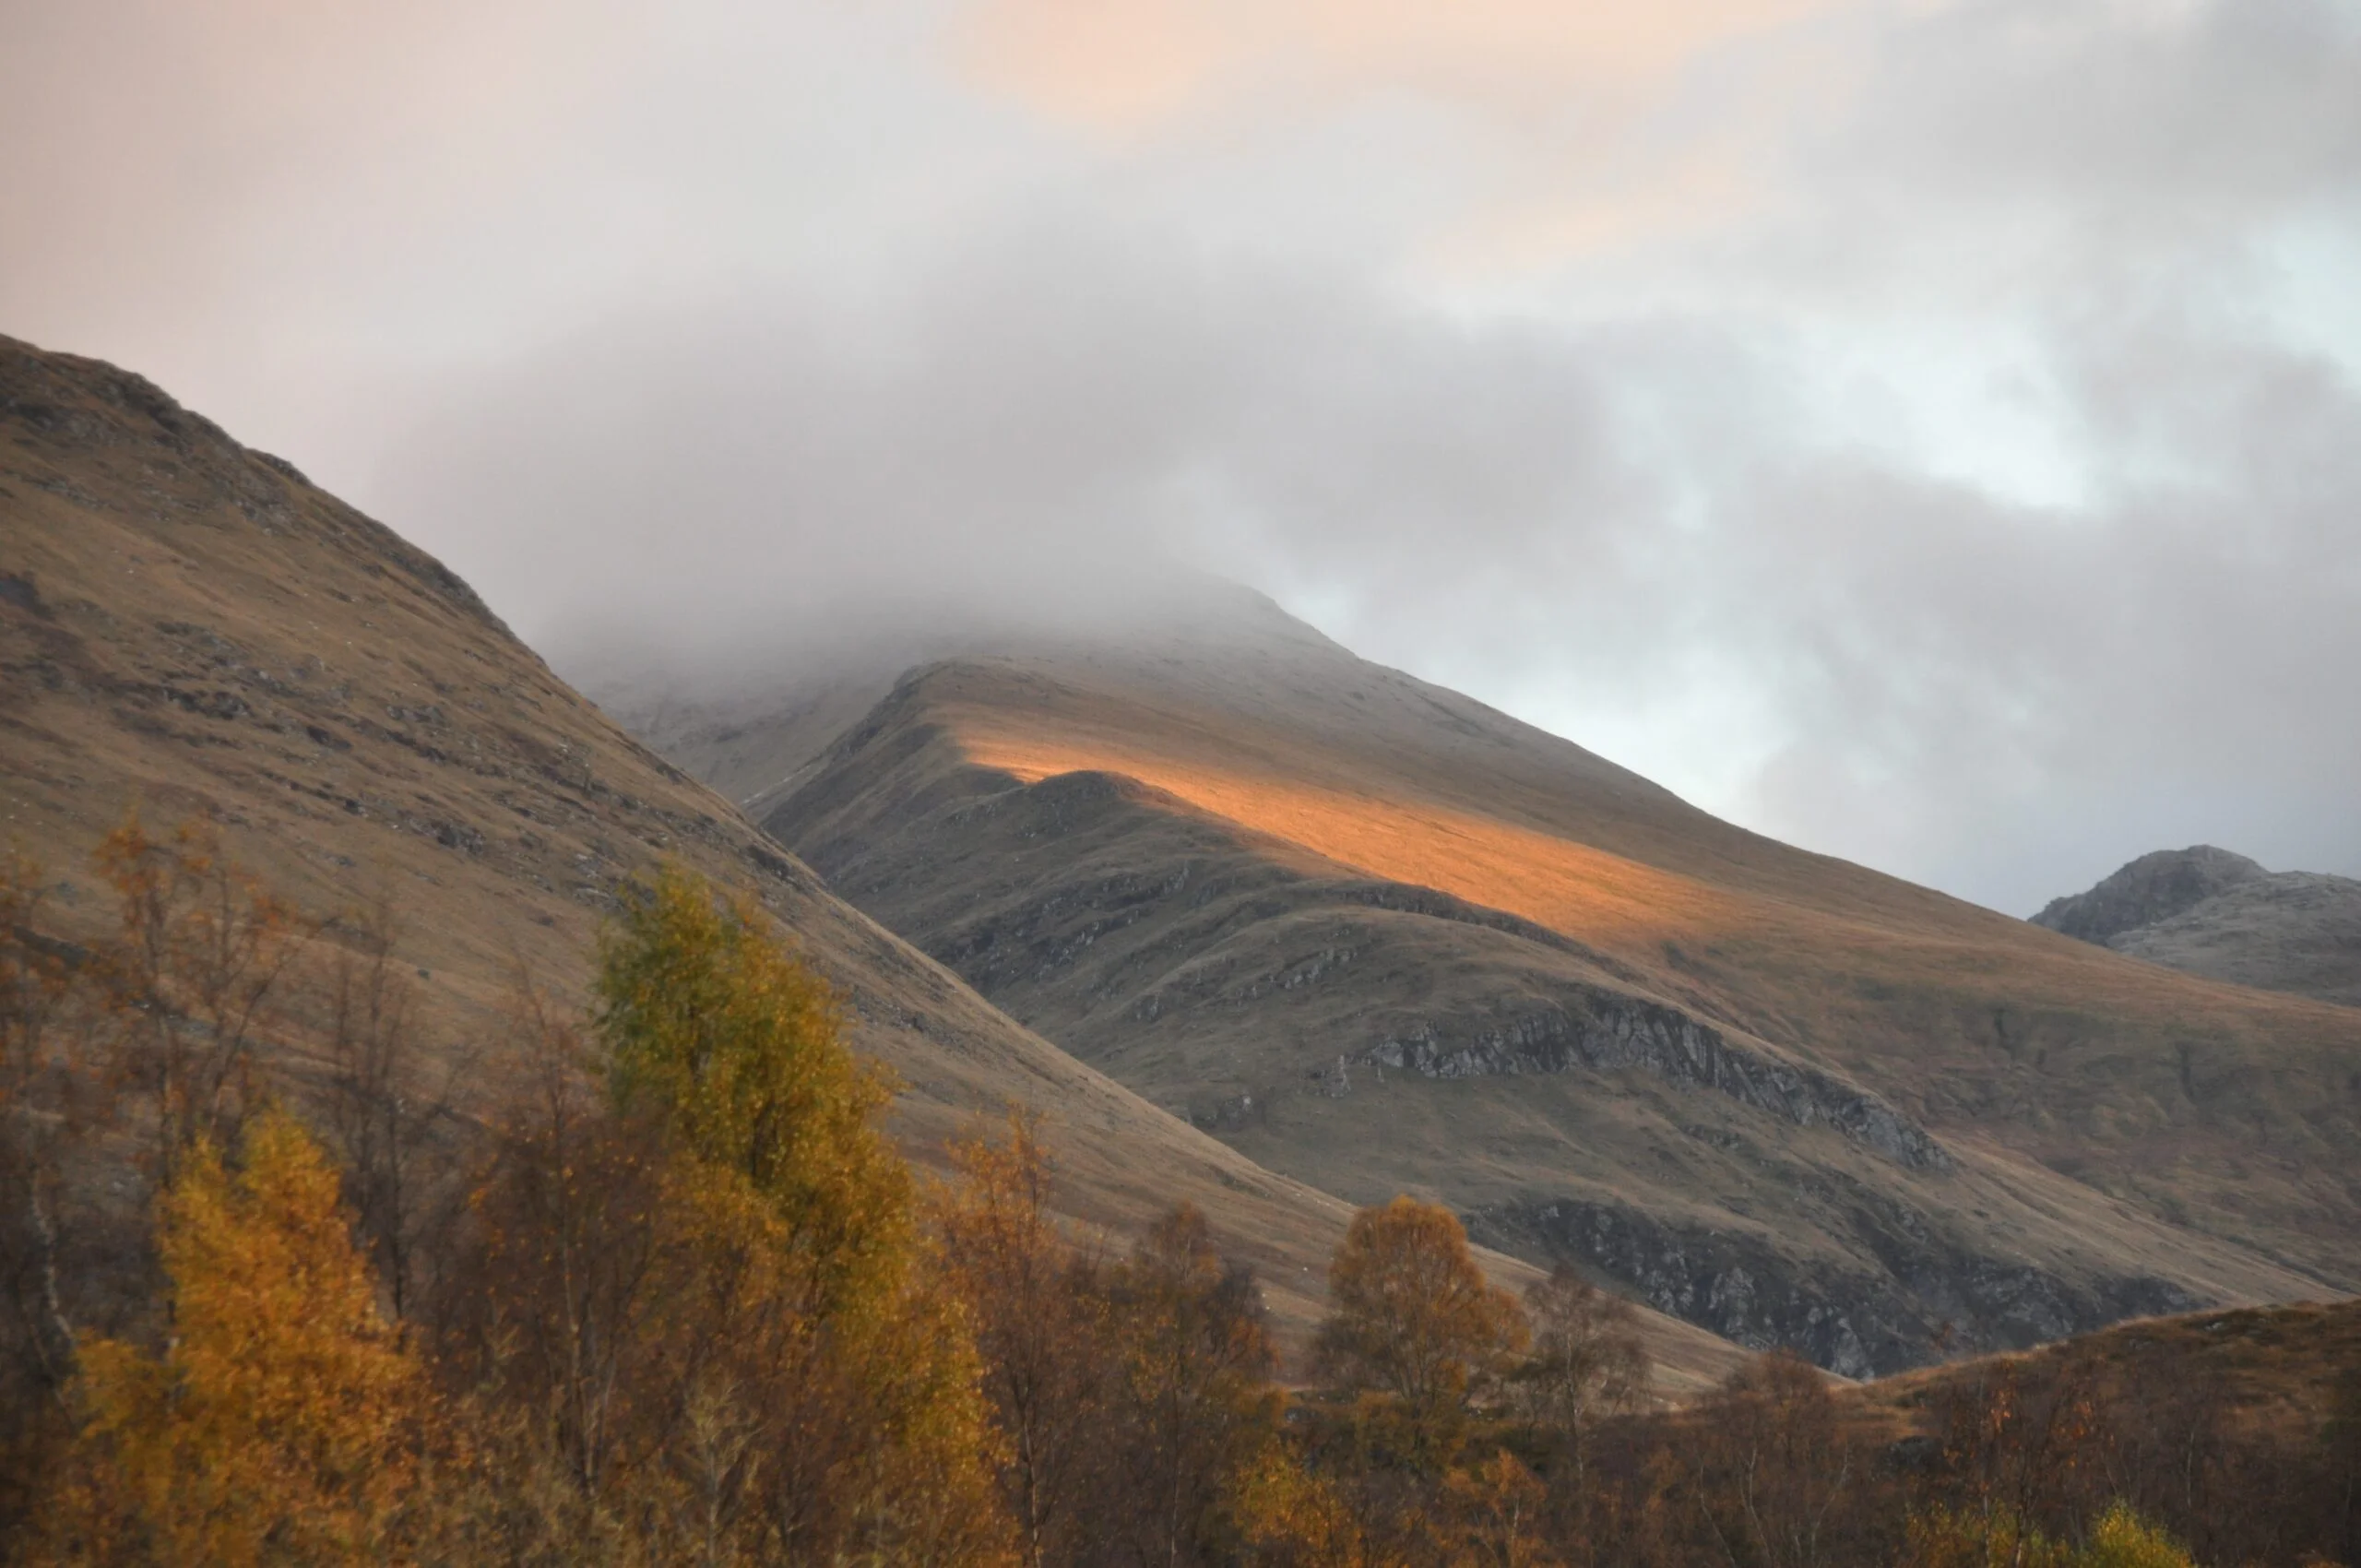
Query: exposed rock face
x=2207, y=912
x=1196, y=932
x=2154, y=887
x=2297, y=930
x=1602, y=1030
x=1933, y=1300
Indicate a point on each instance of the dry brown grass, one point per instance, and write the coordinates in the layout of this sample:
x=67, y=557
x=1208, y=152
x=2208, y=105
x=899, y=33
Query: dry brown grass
x=2274, y=1367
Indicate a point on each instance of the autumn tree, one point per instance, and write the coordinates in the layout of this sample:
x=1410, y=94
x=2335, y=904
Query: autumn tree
x=282, y=1423
x=1587, y=1359
x=1414, y=1315
x=35, y=982
x=548, y=1314
x=1195, y=1397
x=806, y=1328
x=382, y=1102
x=1131, y=1398
x=2119, y=1537
x=1292, y=1516
x=41, y=1116
x=1044, y=1331
x=1491, y=1516
x=2024, y=1440
x=1774, y=1473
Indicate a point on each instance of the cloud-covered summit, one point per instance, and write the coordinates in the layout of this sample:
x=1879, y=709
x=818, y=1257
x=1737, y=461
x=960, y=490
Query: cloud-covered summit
x=1930, y=432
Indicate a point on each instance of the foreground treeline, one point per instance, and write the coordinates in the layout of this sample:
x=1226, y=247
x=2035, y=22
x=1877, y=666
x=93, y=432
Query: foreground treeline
x=648, y=1284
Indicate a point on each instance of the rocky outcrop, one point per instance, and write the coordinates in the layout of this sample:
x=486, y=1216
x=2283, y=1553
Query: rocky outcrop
x=1196, y=933
x=2294, y=931
x=2154, y=887
x=1600, y=1030
x=1383, y=1036
x=1932, y=1299
x=2205, y=911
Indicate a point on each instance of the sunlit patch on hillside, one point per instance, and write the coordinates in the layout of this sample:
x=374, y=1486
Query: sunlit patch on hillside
x=1569, y=887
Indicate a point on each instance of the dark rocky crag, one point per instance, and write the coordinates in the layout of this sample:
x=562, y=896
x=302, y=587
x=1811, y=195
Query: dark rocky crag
x=2205, y=911
x=2154, y=887
x=1930, y=1299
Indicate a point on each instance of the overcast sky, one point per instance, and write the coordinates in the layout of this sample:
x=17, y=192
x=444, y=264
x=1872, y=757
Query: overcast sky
x=1930, y=433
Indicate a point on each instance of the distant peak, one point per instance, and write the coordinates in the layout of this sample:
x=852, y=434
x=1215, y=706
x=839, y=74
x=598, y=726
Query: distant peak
x=2154, y=887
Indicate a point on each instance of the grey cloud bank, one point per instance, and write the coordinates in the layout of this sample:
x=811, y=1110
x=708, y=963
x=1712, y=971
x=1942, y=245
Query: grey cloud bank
x=1976, y=493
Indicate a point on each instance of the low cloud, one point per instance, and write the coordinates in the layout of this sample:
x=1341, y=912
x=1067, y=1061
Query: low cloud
x=1587, y=524
x=1928, y=431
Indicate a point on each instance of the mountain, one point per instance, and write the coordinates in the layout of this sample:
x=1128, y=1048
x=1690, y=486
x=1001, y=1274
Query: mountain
x=1380, y=937
x=2206, y=911
x=2152, y=888
x=194, y=628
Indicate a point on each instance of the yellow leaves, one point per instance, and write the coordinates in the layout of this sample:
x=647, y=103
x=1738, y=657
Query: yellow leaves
x=1493, y=1512
x=1414, y=1313
x=2123, y=1539
x=284, y=1423
x=1980, y=1537
x=787, y=1303
x=1295, y=1519
x=714, y=1029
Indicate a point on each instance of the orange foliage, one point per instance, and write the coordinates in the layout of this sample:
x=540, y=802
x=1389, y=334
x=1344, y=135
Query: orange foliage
x=283, y=1422
x=1493, y=1513
x=1414, y=1315
x=1038, y=1324
x=1296, y=1519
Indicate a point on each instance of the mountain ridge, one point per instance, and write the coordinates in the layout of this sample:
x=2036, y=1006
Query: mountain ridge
x=1181, y=877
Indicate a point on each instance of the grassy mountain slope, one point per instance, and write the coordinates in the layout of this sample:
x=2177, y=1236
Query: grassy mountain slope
x=1376, y=935
x=2274, y=1365
x=192, y=627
